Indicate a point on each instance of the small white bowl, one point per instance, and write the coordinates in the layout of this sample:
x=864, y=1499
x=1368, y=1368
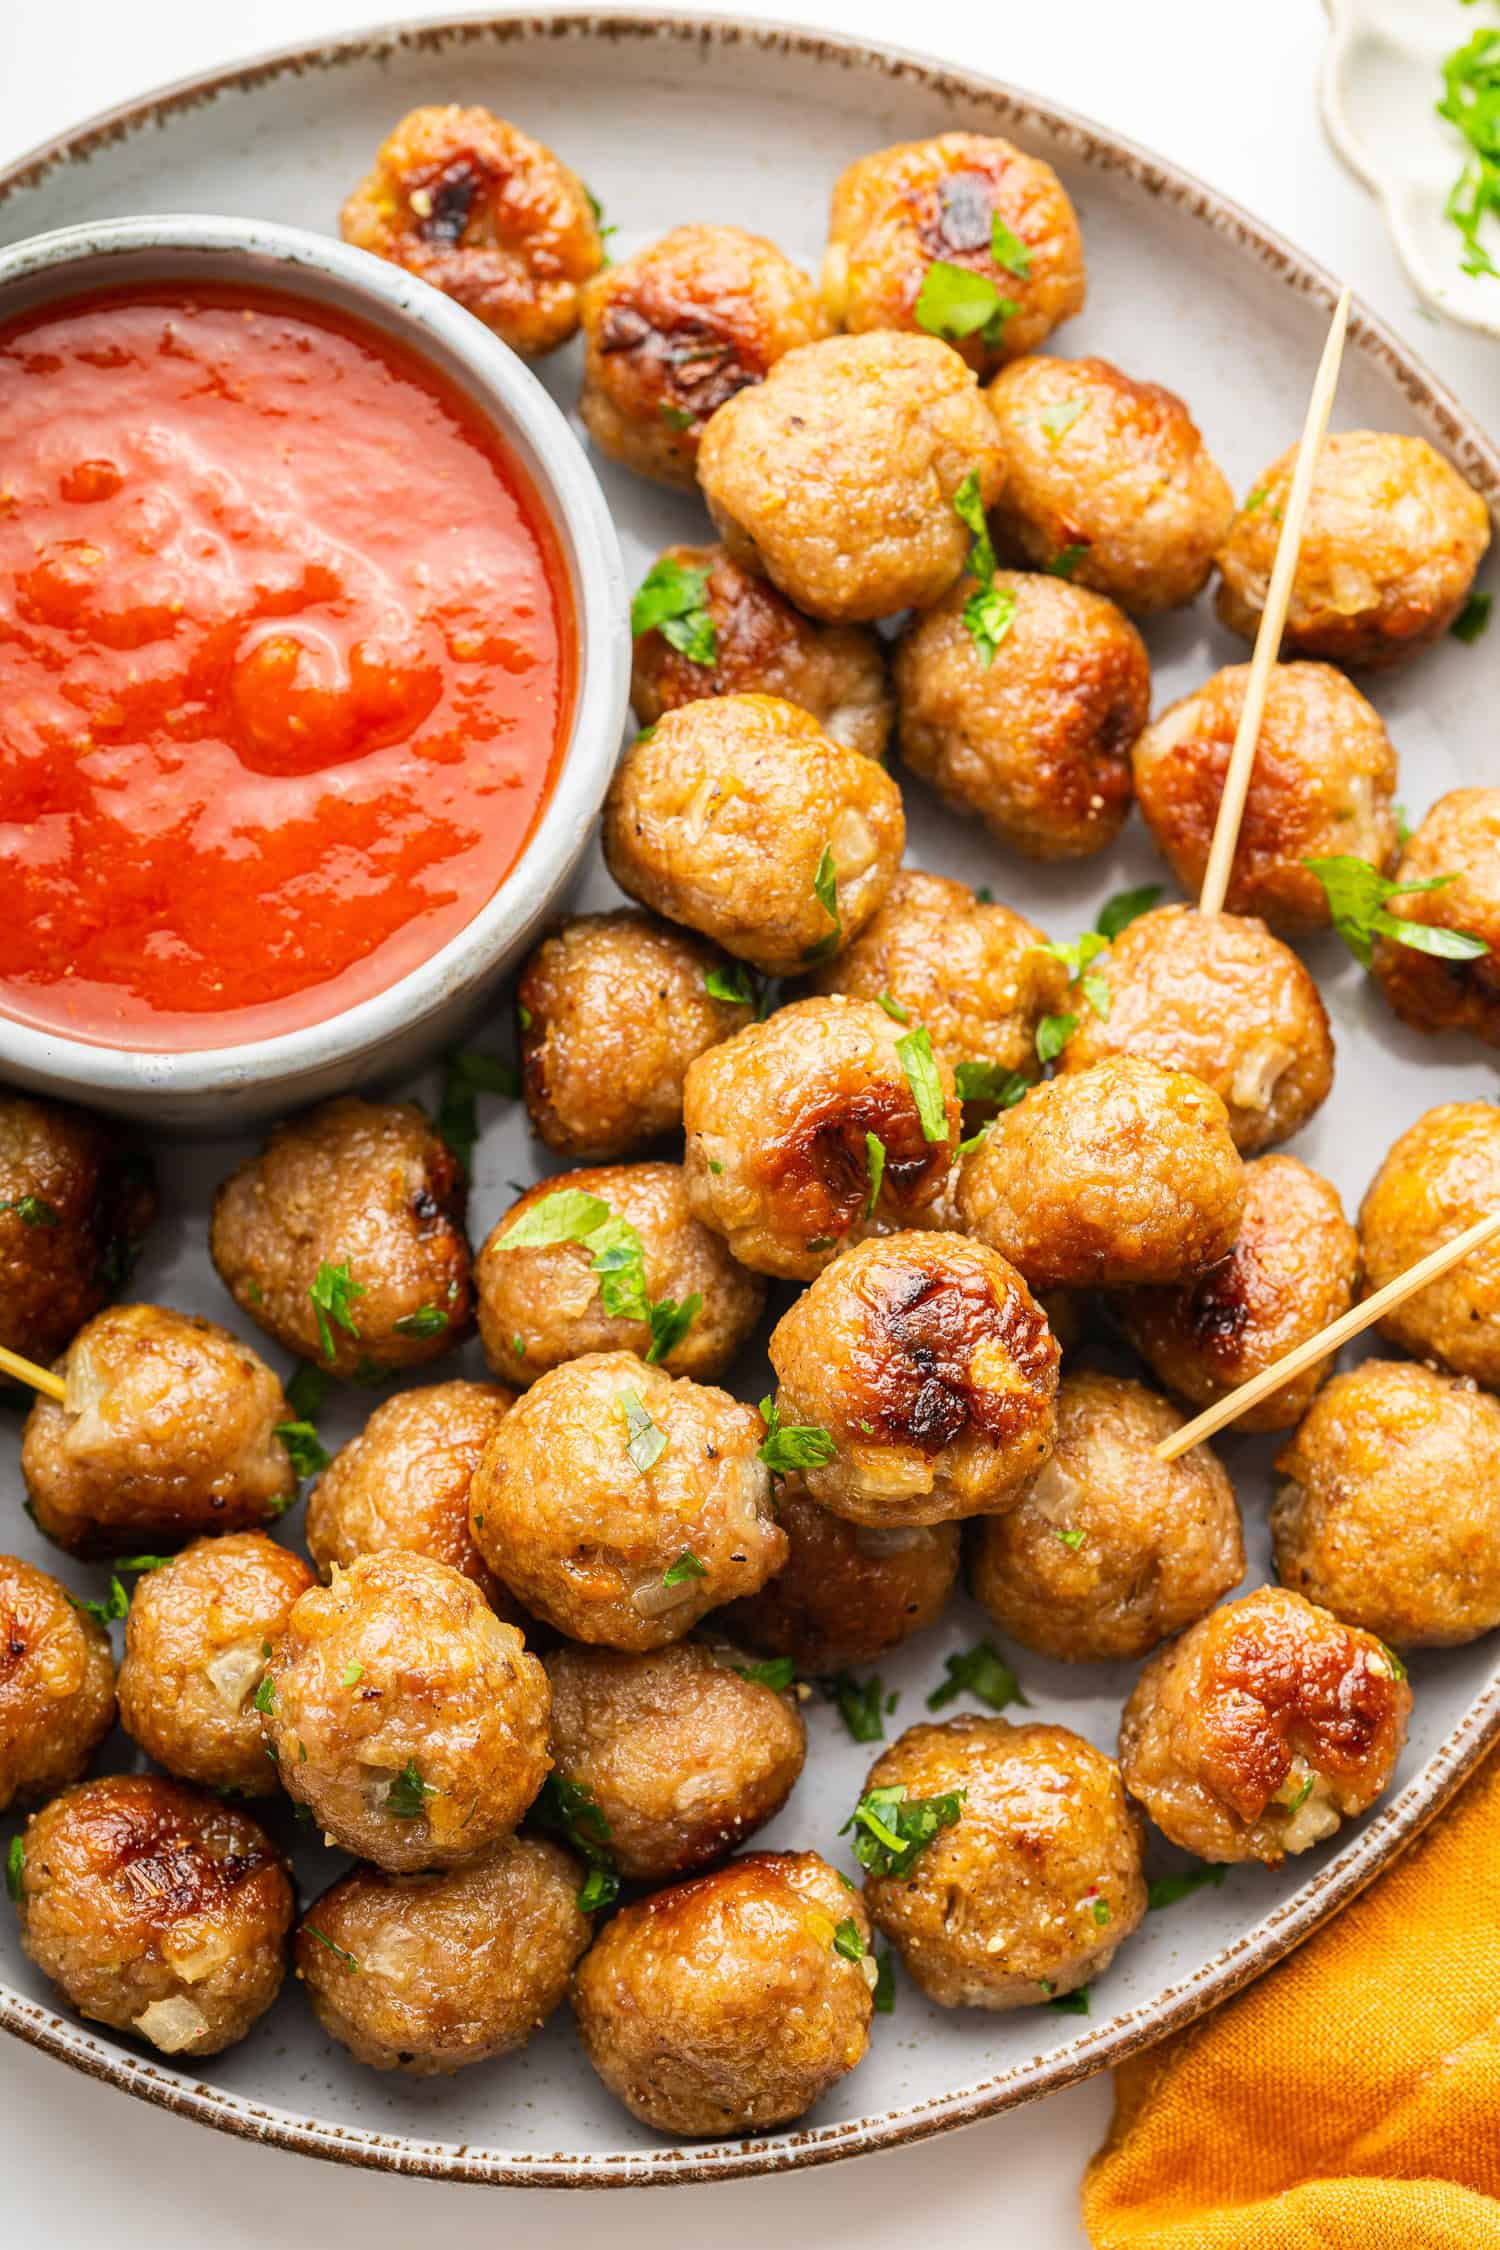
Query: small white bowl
x=214, y=1090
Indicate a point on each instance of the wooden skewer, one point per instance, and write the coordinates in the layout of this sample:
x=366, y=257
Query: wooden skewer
x=26, y=1371
x=1273, y=620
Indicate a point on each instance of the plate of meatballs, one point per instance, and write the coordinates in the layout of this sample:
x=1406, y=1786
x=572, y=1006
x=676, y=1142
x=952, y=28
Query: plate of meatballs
x=616, y=1613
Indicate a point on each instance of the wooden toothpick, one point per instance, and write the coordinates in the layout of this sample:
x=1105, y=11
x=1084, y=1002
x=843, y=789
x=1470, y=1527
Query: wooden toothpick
x=26, y=1371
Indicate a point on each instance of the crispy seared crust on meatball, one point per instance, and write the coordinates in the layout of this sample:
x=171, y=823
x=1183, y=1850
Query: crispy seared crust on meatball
x=77, y=1195
x=168, y=1429
x=1215, y=994
x=1032, y=1891
x=779, y=1129
x=1109, y=477
x=587, y=1534
x=57, y=1684
x=1121, y=1174
x=1390, y=546
x=722, y=2005
x=478, y=209
x=428, y=1973
x=836, y=475
x=847, y=1591
x=1110, y=1550
x=1037, y=742
x=156, y=1910
x=1322, y=783
x=1458, y=837
x=405, y=1714
x=1441, y=1176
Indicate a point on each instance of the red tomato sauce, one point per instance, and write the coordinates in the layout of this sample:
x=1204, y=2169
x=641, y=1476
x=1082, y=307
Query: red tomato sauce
x=286, y=666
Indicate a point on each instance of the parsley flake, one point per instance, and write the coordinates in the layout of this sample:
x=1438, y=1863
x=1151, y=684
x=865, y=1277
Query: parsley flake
x=672, y=600
x=861, y=1703
x=406, y=1798
x=670, y=1322
x=989, y=614
x=955, y=303
x=571, y=1810
x=891, y=1830
x=885, y=1985
x=776, y=1672
x=15, y=1869
x=351, y=1965
x=980, y=1671
x=826, y=892
x=619, y=1260
x=1052, y=1035
x=990, y=1082
x=731, y=984
x=1009, y=252
x=1166, y=1890
x=307, y=1392
x=32, y=1211
x=1072, y=1539
x=1074, y=2003
x=792, y=1445
x=467, y=1075
x=265, y=1696
x=923, y=1077
x=875, y=1161
x=1067, y=559
x=1473, y=619
x=1058, y=418
x=1357, y=895
x=116, y=1603
x=1471, y=101
x=307, y=1456
x=600, y=1888
x=351, y=1673
x=1101, y=1912
x=427, y=1320
x=1125, y=907
x=686, y=1566
x=333, y=1293
x=644, y=1442
x=848, y=1939
x=893, y=1008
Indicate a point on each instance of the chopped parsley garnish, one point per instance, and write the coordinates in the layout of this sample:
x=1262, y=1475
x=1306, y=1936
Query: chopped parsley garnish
x=307, y=1392
x=1472, y=619
x=792, y=1445
x=890, y=1829
x=143, y=1563
x=1305, y=1790
x=1058, y=418
x=990, y=1082
x=32, y=1211
x=644, y=1442
x=1101, y=1912
x=968, y=506
x=672, y=599
x=884, y=1994
x=333, y=1293
x=571, y=1810
x=920, y=1065
x=1166, y=1890
x=427, y=1320
x=861, y=1704
x=15, y=1868
x=990, y=610
x=1403, y=827
x=683, y=418
x=670, y=1322
x=467, y=1075
x=1357, y=895
x=1471, y=101
x=1072, y=2003
x=600, y=1888
x=619, y=1260
x=686, y=1566
x=955, y=303
x=1119, y=912
x=826, y=892
x=1052, y=1035
x=407, y=1796
x=1255, y=499
x=1008, y=250
x=1075, y=955
x=115, y=1604
x=849, y=1940
x=893, y=1008
x=265, y=1696
x=307, y=1456
x=1398, y=1669
x=1067, y=559
x=875, y=1162
x=732, y=985
x=350, y=1674
x=1072, y=1539
x=351, y=1965
x=776, y=1672
x=981, y=1671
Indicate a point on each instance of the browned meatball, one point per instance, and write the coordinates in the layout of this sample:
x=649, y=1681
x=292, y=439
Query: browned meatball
x=1262, y=1728
x=169, y=1427
x=836, y=476
x=1322, y=783
x=1110, y=1550
x=1292, y=1270
x=687, y=1306
x=620, y=1505
x=428, y=1973
x=1108, y=480
x=156, y=1910
x=1215, y=994
x=478, y=209
x=1390, y=546
x=733, y=2002
x=847, y=1591
x=405, y=1714
x=1441, y=1176
x=1457, y=839
x=972, y=205
x=613, y=1008
x=57, y=1684
x=812, y=1128
x=77, y=1195
x=674, y=331
x=1030, y=1891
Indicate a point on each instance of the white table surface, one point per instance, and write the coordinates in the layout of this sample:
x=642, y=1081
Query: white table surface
x=1229, y=93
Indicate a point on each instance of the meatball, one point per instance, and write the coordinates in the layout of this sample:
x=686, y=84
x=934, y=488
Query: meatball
x=733, y=2002
x=837, y=475
x=682, y=1756
x=960, y=201
x=77, y=1195
x=1035, y=1884
x=552, y=1285
x=405, y=1714
x=740, y=817
x=1321, y=785
x=760, y=645
x=1458, y=839
x=1262, y=1728
x=620, y=1505
x=57, y=1684
x=1388, y=1512
x=1441, y=1176
x=1110, y=1549
x=813, y=1127
x=1292, y=1270
x=674, y=331
x=478, y=209
x=1392, y=540
x=1120, y=1174
x=1215, y=994
x=344, y=1237
x=170, y=1427
x=1108, y=481
x=427, y=1973
x=156, y=1910
x=847, y=1591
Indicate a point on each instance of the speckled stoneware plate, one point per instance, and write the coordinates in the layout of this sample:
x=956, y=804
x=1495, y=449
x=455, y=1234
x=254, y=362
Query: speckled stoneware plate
x=671, y=120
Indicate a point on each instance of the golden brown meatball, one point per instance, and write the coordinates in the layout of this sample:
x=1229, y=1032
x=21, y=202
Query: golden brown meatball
x=1030, y=1891
x=1321, y=785
x=620, y=1505
x=686, y=1306
x=428, y=1973
x=674, y=331
x=77, y=1195
x=57, y=1684
x=613, y=1008
x=1110, y=1550
x=1390, y=546
x=847, y=1591
x=836, y=476
x=972, y=206
x=170, y=1427
x=1215, y=994
x=1108, y=480
x=1292, y=1270
x=1441, y=1176
x=733, y=2002
x=405, y=1714
x=741, y=818
x=478, y=209
x=344, y=1238
x=1458, y=838
x=156, y=1910
x=812, y=1128
x=1120, y=1174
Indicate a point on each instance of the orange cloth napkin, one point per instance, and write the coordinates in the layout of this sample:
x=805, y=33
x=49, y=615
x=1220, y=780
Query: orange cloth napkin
x=1348, y=2101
